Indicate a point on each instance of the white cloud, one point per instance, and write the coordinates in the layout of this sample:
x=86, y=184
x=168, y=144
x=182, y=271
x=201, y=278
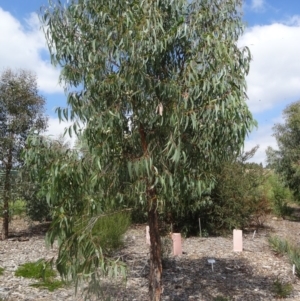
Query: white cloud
x=262, y=136
x=257, y=4
x=275, y=70
x=57, y=129
x=22, y=47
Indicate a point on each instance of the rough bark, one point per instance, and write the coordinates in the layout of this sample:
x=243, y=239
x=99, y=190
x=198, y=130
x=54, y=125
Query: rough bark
x=6, y=196
x=155, y=288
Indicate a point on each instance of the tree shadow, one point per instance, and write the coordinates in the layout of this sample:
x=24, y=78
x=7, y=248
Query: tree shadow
x=197, y=280
x=186, y=279
x=32, y=230
x=294, y=214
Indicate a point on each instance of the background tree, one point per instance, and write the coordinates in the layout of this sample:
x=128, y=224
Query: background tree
x=37, y=207
x=92, y=226
x=160, y=89
x=239, y=197
x=21, y=111
x=286, y=160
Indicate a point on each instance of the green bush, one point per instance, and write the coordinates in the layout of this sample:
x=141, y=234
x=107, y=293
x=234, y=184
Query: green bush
x=282, y=246
x=17, y=207
x=49, y=285
x=281, y=289
x=279, y=245
x=37, y=270
x=108, y=230
x=37, y=208
x=280, y=198
x=1, y=271
x=41, y=270
x=239, y=197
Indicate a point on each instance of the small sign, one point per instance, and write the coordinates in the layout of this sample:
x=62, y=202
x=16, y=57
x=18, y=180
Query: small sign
x=211, y=261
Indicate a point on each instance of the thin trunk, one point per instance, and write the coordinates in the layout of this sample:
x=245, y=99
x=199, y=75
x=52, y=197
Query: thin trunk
x=6, y=196
x=155, y=288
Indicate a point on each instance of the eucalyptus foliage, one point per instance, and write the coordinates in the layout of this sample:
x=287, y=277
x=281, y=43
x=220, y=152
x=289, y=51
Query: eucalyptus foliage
x=160, y=89
x=33, y=184
x=285, y=160
x=21, y=111
x=70, y=184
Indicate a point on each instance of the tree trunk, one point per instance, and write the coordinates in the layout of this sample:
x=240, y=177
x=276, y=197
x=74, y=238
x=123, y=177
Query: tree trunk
x=6, y=196
x=5, y=218
x=155, y=255
x=155, y=248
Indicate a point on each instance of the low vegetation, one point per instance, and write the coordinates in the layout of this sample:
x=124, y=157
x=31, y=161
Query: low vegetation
x=110, y=228
x=50, y=285
x=282, y=246
x=17, y=207
x=281, y=289
x=41, y=270
x=1, y=271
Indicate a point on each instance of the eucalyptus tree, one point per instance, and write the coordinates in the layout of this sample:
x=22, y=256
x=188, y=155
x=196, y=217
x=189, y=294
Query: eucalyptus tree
x=285, y=159
x=160, y=88
x=21, y=111
x=37, y=208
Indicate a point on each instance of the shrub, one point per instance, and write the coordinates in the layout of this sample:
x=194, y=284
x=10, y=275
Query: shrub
x=281, y=289
x=50, y=285
x=1, y=271
x=41, y=270
x=279, y=245
x=239, y=197
x=108, y=229
x=17, y=207
x=282, y=246
x=37, y=270
x=280, y=198
x=37, y=208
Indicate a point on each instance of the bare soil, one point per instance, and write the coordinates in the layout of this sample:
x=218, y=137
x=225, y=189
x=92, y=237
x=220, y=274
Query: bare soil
x=243, y=276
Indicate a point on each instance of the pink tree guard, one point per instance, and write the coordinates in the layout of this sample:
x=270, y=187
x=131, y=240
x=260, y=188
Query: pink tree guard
x=237, y=240
x=177, y=248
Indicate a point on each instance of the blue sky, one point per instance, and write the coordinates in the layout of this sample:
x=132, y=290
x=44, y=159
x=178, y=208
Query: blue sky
x=272, y=34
